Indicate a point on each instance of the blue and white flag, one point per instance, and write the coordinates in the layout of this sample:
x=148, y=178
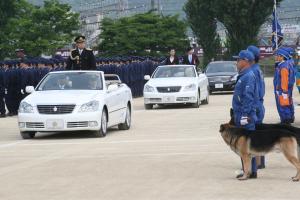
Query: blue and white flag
x=277, y=35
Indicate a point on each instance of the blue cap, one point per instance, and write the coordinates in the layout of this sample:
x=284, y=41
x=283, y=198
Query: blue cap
x=282, y=52
x=254, y=49
x=245, y=55
x=290, y=50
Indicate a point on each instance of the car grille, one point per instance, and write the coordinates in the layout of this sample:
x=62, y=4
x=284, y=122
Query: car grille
x=77, y=124
x=182, y=98
x=168, y=89
x=155, y=99
x=219, y=79
x=35, y=125
x=55, y=109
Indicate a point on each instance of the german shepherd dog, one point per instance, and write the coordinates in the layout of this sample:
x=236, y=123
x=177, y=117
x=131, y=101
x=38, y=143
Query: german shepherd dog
x=266, y=138
x=260, y=142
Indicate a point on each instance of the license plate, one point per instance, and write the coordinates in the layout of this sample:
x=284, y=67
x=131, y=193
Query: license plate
x=168, y=99
x=55, y=124
x=219, y=85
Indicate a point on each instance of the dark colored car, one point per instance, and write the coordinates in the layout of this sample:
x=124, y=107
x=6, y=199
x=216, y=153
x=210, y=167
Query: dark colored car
x=221, y=75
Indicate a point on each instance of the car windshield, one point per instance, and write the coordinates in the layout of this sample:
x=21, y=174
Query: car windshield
x=221, y=67
x=178, y=71
x=71, y=81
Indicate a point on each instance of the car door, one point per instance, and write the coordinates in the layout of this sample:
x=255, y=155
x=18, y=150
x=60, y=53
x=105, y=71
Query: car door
x=112, y=102
x=122, y=95
x=203, y=84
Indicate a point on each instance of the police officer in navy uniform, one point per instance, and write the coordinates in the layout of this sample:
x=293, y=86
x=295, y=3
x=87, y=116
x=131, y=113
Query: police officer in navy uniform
x=81, y=58
x=2, y=92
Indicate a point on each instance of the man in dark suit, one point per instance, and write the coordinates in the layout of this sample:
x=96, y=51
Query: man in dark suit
x=81, y=58
x=190, y=58
x=172, y=59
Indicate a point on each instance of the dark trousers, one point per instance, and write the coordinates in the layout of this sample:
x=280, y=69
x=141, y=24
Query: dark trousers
x=12, y=100
x=2, y=105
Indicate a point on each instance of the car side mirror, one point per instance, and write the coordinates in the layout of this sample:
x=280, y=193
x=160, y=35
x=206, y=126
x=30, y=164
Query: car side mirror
x=112, y=87
x=29, y=89
x=147, y=77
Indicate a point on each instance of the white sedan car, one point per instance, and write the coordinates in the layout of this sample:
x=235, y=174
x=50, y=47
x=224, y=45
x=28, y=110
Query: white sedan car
x=176, y=84
x=75, y=101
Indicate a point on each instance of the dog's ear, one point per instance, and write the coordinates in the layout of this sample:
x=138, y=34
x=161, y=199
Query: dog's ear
x=231, y=122
x=222, y=128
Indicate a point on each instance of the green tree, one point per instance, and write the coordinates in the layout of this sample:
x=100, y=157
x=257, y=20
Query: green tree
x=201, y=18
x=40, y=29
x=242, y=19
x=7, y=11
x=142, y=34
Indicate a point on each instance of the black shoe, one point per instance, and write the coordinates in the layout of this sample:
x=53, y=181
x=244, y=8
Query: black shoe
x=292, y=120
x=253, y=175
x=286, y=122
x=240, y=175
x=261, y=167
x=2, y=115
x=10, y=114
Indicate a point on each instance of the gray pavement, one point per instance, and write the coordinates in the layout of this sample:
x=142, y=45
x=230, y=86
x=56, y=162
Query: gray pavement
x=169, y=153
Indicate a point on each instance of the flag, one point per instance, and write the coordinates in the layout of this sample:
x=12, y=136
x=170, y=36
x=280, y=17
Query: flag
x=277, y=35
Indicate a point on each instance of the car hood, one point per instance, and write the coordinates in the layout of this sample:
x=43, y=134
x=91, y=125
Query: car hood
x=77, y=97
x=221, y=74
x=161, y=82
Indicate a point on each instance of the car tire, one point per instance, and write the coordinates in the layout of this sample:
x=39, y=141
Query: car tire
x=206, y=101
x=28, y=135
x=148, y=106
x=103, y=129
x=197, y=104
x=126, y=125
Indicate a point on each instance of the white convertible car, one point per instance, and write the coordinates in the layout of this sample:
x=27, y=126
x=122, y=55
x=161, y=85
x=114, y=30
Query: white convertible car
x=75, y=101
x=176, y=84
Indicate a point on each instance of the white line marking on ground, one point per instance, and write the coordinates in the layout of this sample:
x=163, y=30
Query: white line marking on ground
x=121, y=142
x=10, y=144
x=114, y=156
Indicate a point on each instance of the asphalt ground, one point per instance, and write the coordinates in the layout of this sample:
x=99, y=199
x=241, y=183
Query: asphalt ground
x=169, y=153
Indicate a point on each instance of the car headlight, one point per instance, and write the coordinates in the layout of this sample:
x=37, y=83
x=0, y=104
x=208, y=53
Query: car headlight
x=25, y=107
x=91, y=106
x=234, y=78
x=190, y=87
x=149, y=88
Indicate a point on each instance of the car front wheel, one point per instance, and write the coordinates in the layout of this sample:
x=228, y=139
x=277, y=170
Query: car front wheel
x=28, y=135
x=126, y=125
x=197, y=104
x=103, y=129
x=206, y=101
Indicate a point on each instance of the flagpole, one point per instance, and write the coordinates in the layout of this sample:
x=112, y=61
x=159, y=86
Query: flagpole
x=275, y=19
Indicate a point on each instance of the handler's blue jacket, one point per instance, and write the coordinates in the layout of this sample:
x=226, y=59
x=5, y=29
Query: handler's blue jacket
x=245, y=98
x=259, y=77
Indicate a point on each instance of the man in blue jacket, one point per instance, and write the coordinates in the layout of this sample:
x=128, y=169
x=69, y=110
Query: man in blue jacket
x=260, y=109
x=244, y=101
